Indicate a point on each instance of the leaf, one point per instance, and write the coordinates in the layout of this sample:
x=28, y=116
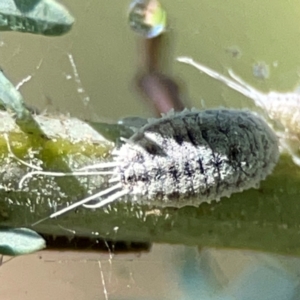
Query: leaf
x=45, y=17
x=18, y=241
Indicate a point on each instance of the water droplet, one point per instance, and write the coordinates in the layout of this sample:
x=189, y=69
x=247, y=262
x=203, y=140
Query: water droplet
x=147, y=18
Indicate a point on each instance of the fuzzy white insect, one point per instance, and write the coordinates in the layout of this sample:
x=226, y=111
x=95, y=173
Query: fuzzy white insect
x=187, y=158
x=283, y=109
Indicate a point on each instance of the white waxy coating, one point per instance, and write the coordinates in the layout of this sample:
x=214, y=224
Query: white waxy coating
x=282, y=108
x=196, y=156
x=188, y=158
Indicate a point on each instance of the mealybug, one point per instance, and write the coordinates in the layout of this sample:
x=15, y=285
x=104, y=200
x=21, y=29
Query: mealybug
x=187, y=158
x=282, y=108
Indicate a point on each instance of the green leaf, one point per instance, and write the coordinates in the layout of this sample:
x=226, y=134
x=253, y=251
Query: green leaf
x=45, y=17
x=18, y=241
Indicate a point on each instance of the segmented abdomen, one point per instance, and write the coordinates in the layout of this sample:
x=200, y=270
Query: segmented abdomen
x=197, y=155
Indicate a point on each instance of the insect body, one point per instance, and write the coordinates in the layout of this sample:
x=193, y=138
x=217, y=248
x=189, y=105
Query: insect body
x=282, y=108
x=188, y=158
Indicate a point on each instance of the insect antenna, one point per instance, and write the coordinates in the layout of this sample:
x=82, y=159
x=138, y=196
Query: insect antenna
x=62, y=174
x=88, y=199
x=84, y=171
x=108, y=200
x=237, y=83
x=100, y=166
x=80, y=172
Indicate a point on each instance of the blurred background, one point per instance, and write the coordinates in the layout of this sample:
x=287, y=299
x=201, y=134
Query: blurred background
x=89, y=73
x=232, y=34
